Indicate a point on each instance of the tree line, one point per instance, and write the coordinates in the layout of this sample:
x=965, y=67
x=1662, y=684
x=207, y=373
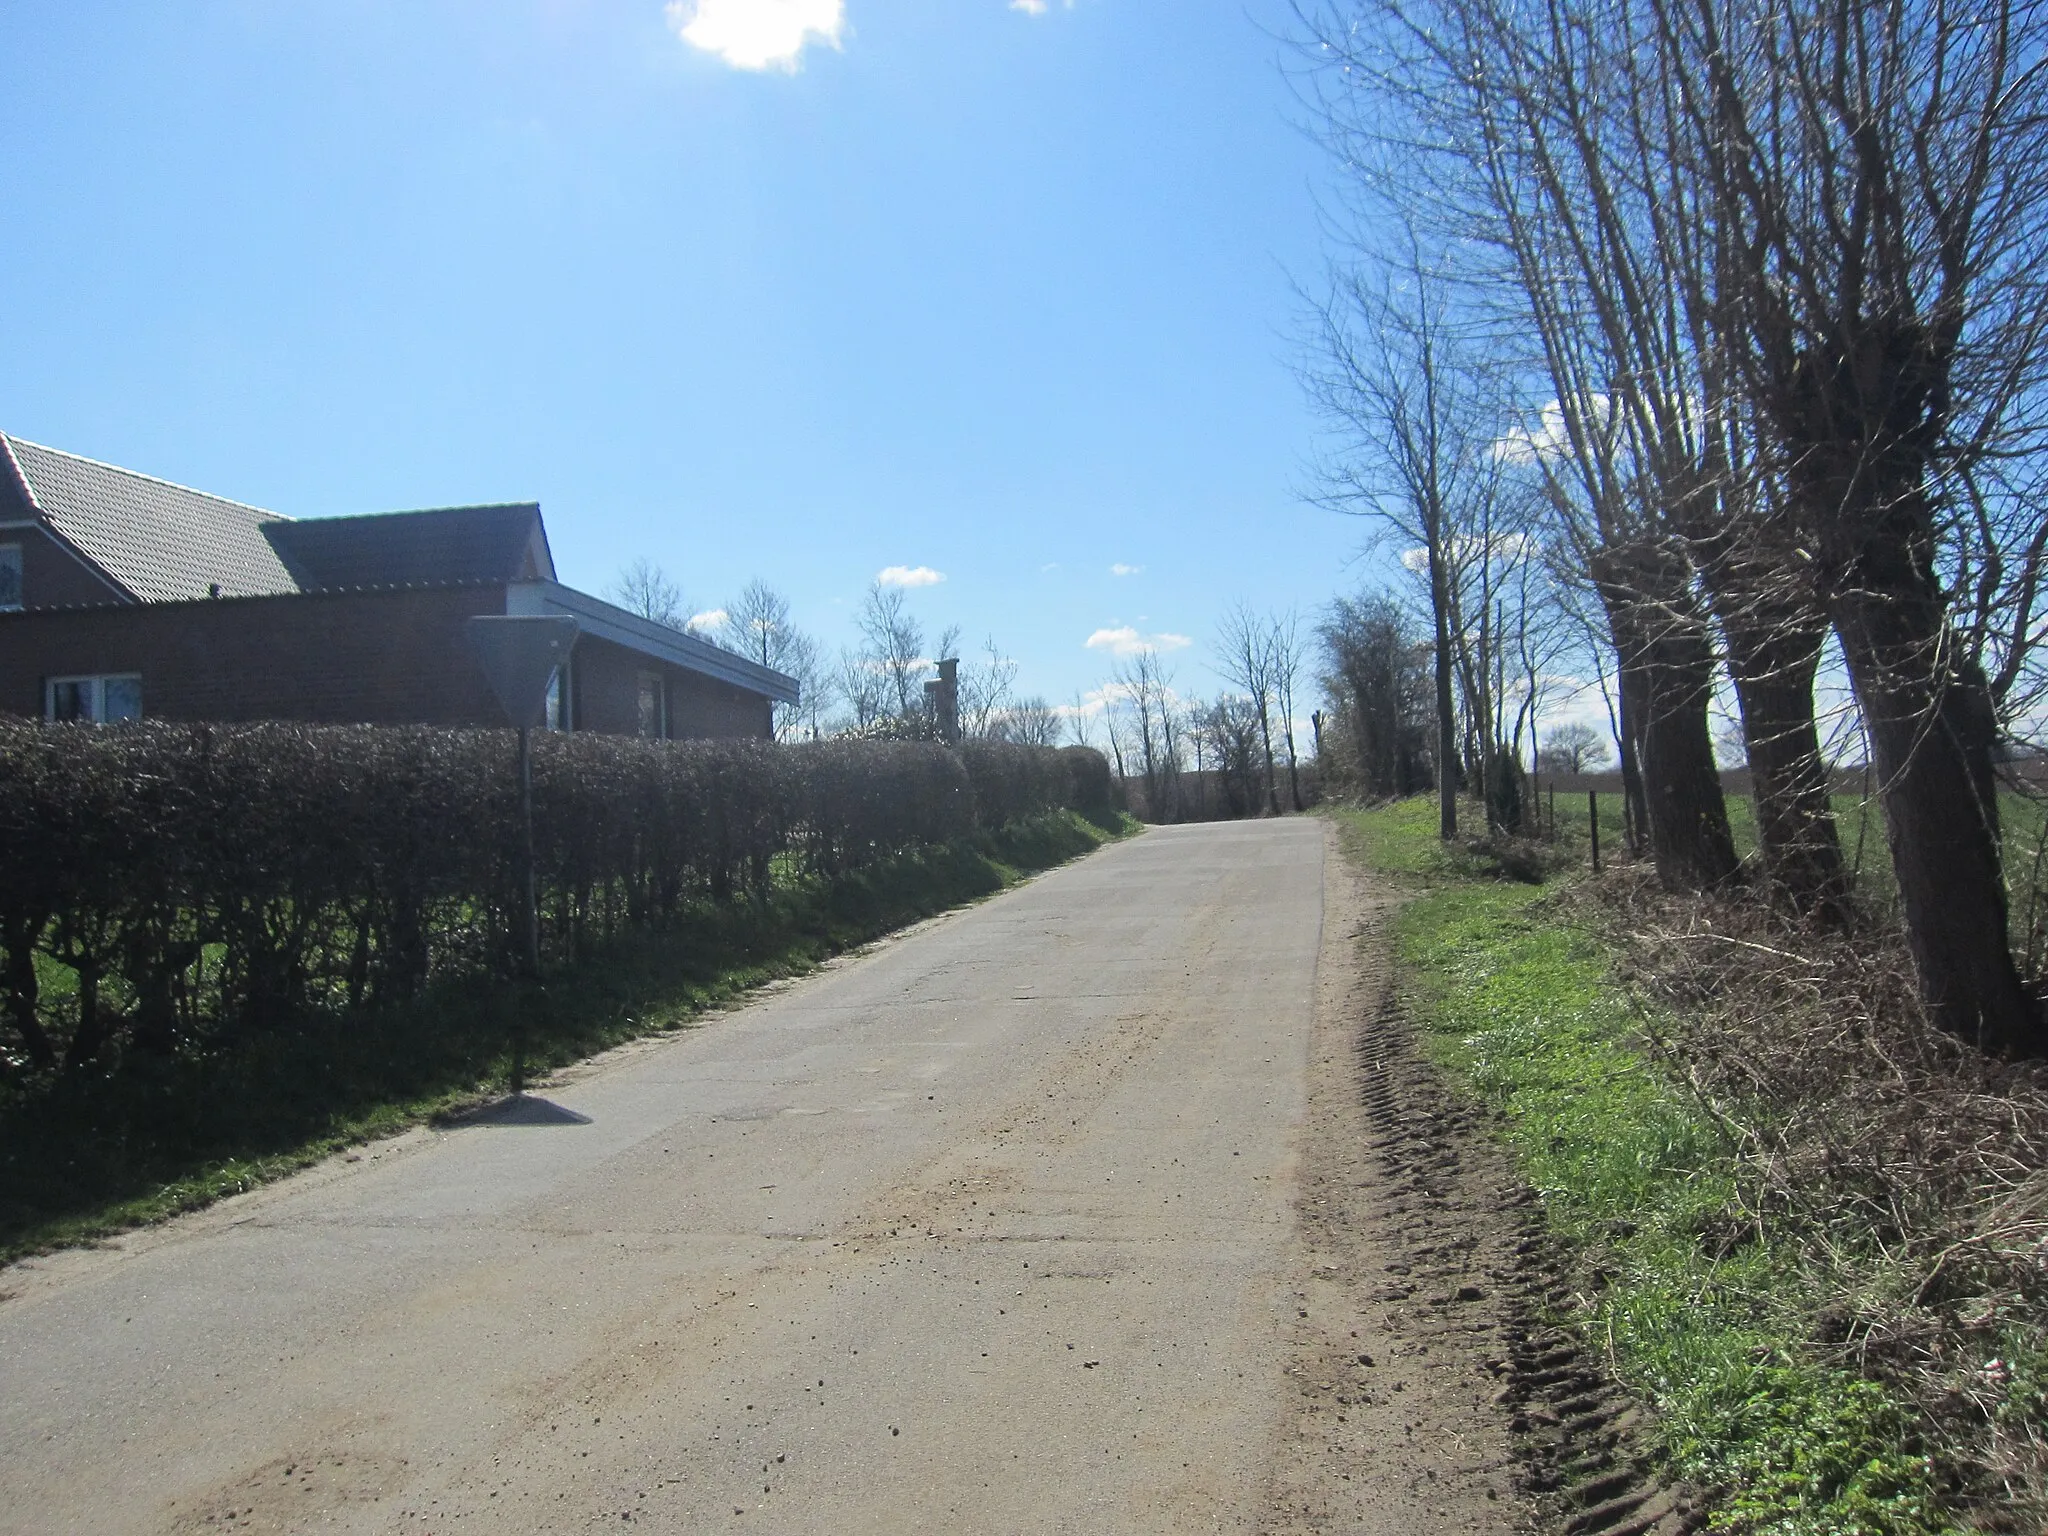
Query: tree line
x=1706, y=336
x=875, y=688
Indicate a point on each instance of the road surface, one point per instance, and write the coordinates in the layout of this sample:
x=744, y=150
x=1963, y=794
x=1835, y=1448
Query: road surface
x=989, y=1229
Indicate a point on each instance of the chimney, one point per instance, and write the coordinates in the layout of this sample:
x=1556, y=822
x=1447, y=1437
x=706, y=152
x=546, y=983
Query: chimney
x=942, y=699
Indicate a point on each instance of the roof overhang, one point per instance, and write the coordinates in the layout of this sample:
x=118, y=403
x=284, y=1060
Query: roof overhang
x=608, y=622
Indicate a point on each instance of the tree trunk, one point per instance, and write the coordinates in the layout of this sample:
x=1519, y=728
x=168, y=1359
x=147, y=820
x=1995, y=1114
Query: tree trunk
x=1931, y=732
x=1446, y=705
x=90, y=1034
x=1266, y=745
x=1666, y=666
x=1857, y=418
x=1633, y=814
x=1773, y=655
x=23, y=992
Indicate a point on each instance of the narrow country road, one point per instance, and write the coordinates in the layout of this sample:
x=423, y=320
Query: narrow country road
x=991, y=1229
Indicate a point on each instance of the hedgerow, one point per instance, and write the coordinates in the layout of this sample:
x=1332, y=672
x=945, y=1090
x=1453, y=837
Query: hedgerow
x=176, y=885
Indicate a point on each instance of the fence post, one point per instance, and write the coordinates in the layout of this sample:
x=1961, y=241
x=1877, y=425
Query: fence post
x=1593, y=821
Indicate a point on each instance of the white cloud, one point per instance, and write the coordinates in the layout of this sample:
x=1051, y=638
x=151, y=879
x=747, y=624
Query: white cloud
x=1120, y=569
x=1508, y=547
x=758, y=34
x=710, y=619
x=1038, y=7
x=1126, y=641
x=909, y=576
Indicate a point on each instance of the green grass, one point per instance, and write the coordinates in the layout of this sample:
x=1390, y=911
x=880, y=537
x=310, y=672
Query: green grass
x=82, y=1156
x=1522, y=1008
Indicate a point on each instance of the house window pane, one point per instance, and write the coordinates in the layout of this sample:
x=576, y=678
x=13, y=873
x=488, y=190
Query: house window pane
x=651, y=722
x=558, y=699
x=71, y=699
x=114, y=697
x=10, y=576
x=121, y=698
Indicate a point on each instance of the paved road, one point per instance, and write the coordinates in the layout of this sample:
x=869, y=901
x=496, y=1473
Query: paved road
x=985, y=1230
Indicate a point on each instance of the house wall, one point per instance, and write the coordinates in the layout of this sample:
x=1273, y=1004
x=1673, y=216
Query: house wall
x=372, y=658
x=52, y=576
x=607, y=696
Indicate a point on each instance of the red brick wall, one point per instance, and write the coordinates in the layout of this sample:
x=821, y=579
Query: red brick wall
x=382, y=658
x=607, y=696
x=52, y=576
x=375, y=658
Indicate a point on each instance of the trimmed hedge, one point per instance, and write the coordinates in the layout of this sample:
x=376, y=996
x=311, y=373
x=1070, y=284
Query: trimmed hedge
x=201, y=880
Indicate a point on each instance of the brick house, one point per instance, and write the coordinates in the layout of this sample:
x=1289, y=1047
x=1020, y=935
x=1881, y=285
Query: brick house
x=123, y=596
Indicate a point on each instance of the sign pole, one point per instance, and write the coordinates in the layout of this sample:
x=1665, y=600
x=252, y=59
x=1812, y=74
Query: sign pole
x=520, y=656
x=529, y=947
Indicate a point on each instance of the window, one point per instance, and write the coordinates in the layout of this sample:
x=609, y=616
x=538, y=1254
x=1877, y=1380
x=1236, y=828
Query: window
x=10, y=577
x=117, y=696
x=558, y=699
x=653, y=706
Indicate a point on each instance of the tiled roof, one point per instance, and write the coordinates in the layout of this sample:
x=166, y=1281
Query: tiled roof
x=402, y=549
x=162, y=542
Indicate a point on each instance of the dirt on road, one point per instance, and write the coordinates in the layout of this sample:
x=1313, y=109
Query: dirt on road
x=1120, y=1203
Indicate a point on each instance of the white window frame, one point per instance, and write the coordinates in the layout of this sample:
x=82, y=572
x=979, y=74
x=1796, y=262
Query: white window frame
x=96, y=686
x=660, y=731
x=556, y=712
x=12, y=554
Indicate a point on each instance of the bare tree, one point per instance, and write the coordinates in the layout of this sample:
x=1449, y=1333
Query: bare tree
x=1390, y=373
x=1381, y=732
x=1080, y=716
x=644, y=588
x=1244, y=652
x=862, y=687
x=1288, y=654
x=986, y=689
x=892, y=646
x=1879, y=178
x=1145, y=685
x=1574, y=747
x=1030, y=721
x=757, y=625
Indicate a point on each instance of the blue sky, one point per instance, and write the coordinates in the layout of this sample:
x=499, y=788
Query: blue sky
x=997, y=291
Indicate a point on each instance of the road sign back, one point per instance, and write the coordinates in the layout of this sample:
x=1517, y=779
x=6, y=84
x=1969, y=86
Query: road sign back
x=519, y=656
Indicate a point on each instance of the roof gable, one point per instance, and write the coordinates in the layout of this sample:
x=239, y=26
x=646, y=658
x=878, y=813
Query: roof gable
x=444, y=546
x=158, y=541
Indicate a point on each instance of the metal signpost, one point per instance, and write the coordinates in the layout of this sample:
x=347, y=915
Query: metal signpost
x=520, y=657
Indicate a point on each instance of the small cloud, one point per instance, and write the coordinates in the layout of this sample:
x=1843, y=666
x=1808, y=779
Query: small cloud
x=1029, y=7
x=758, y=34
x=710, y=619
x=1120, y=569
x=1126, y=641
x=909, y=576
x=1050, y=565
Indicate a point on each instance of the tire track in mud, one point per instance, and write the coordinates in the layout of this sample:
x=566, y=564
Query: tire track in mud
x=1477, y=1269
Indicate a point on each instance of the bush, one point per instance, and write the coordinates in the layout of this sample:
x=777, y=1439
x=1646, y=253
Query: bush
x=193, y=882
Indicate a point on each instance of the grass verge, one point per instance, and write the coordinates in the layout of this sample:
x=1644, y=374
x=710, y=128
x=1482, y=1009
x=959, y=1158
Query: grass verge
x=1689, y=1296
x=85, y=1156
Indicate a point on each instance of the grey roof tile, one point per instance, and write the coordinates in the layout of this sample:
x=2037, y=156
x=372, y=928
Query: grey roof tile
x=403, y=549
x=162, y=542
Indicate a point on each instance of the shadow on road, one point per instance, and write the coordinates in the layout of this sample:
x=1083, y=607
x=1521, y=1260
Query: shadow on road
x=522, y=1109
